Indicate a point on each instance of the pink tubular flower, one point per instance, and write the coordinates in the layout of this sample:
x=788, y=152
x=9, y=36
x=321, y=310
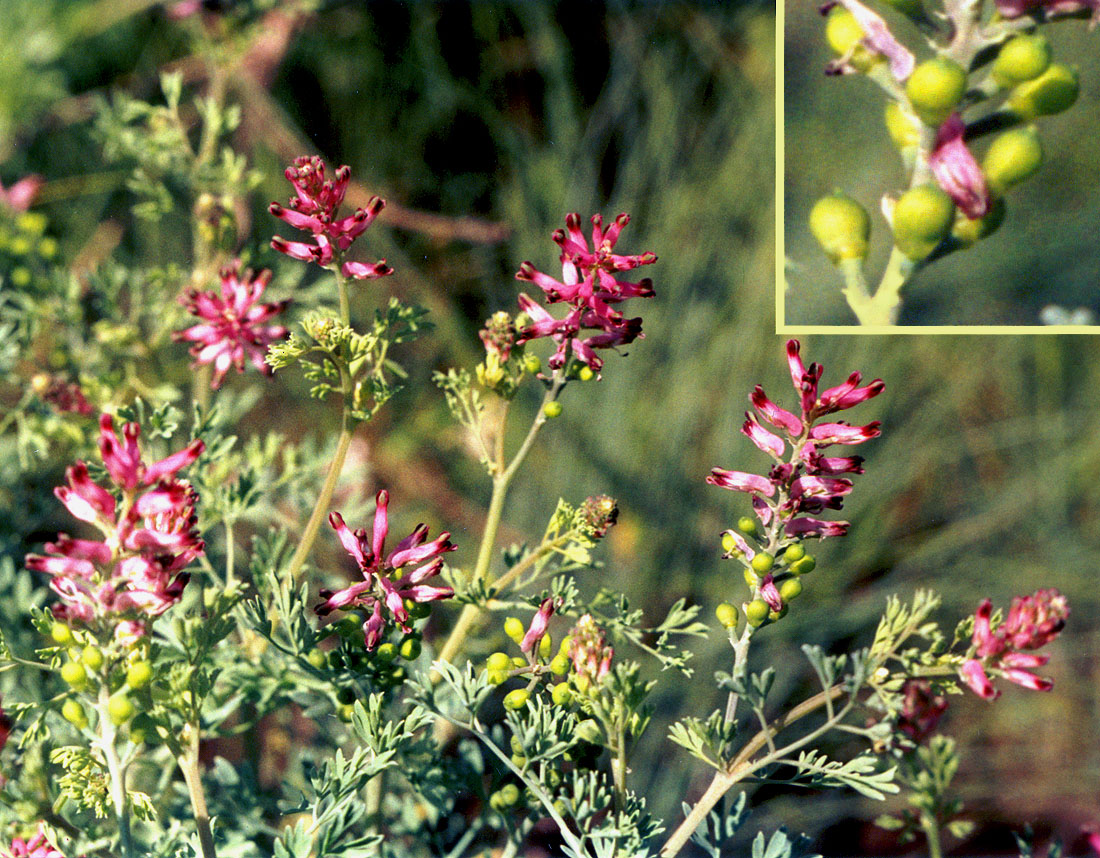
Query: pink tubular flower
x=379, y=587
x=1032, y=622
x=589, y=652
x=314, y=210
x=20, y=196
x=38, y=846
x=65, y=396
x=877, y=38
x=539, y=623
x=589, y=285
x=149, y=538
x=232, y=324
x=957, y=171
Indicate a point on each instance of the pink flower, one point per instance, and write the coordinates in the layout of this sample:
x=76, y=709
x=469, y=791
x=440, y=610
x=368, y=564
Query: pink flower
x=20, y=196
x=232, y=324
x=1032, y=622
x=65, y=396
x=1016, y=8
x=921, y=710
x=37, y=847
x=590, y=286
x=539, y=624
x=957, y=171
x=136, y=571
x=314, y=210
x=5, y=728
x=739, y=481
x=378, y=587
x=589, y=652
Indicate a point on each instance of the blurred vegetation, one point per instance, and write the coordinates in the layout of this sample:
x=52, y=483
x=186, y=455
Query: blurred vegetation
x=483, y=124
x=835, y=138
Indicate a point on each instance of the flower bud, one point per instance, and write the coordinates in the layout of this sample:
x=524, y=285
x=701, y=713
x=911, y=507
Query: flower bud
x=971, y=231
x=1012, y=157
x=762, y=562
x=935, y=87
x=790, y=589
x=1053, y=91
x=794, y=553
x=727, y=615
x=841, y=226
x=1021, y=58
x=516, y=699
x=552, y=409
x=923, y=217
x=62, y=635
x=561, y=695
x=806, y=564
x=756, y=612
x=317, y=658
x=499, y=661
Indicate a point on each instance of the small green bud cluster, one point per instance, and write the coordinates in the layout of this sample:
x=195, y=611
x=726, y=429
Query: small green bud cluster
x=26, y=252
x=785, y=567
x=382, y=667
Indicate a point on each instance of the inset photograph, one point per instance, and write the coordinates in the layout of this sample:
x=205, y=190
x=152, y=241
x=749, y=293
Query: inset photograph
x=940, y=166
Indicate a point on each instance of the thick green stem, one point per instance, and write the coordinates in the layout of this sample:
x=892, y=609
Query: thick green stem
x=932, y=833
x=107, y=737
x=189, y=765
x=230, y=578
x=309, y=535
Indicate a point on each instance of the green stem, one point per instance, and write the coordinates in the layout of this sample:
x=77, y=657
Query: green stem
x=230, y=579
x=932, y=833
x=107, y=737
x=373, y=802
x=189, y=765
x=342, y=293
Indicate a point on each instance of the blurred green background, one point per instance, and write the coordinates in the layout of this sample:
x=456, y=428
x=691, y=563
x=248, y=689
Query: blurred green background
x=1045, y=253
x=983, y=484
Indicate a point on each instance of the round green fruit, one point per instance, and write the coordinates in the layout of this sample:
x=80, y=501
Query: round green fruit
x=726, y=614
x=316, y=657
x=559, y=665
x=499, y=661
x=409, y=649
x=92, y=656
x=73, y=712
x=1012, y=157
x=516, y=699
x=513, y=627
x=790, y=589
x=762, y=562
x=923, y=217
x=386, y=653
x=746, y=525
x=586, y=373
x=552, y=409
x=972, y=231
x=561, y=694
x=794, y=552
x=842, y=227
x=842, y=30
x=806, y=564
x=74, y=674
x=120, y=708
x=1053, y=91
x=1021, y=58
x=935, y=88
x=756, y=612
x=139, y=674
x=62, y=635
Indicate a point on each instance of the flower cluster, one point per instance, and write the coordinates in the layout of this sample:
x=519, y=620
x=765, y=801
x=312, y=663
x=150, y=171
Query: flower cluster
x=589, y=285
x=380, y=586
x=232, y=325
x=1032, y=622
x=38, y=846
x=590, y=653
x=921, y=710
x=314, y=210
x=149, y=536
x=65, y=396
x=599, y=514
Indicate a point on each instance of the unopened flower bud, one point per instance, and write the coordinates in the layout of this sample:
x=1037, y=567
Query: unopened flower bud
x=1053, y=91
x=763, y=562
x=935, y=87
x=1012, y=157
x=841, y=226
x=806, y=564
x=600, y=513
x=552, y=409
x=902, y=126
x=513, y=627
x=1021, y=58
x=923, y=217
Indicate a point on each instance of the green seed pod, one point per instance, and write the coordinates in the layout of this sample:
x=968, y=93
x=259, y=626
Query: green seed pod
x=729, y=544
x=386, y=653
x=586, y=373
x=561, y=694
x=841, y=226
x=513, y=627
x=842, y=30
x=727, y=615
x=497, y=677
x=519, y=661
x=74, y=674
x=499, y=661
x=546, y=645
x=756, y=612
x=559, y=665
x=317, y=658
x=1011, y=158
x=120, y=708
x=746, y=525
x=516, y=699
x=519, y=760
x=142, y=729
x=73, y=712
x=790, y=589
x=775, y=616
x=751, y=578
x=566, y=643
x=509, y=794
x=92, y=656
x=922, y=219
x=806, y=564
x=345, y=695
x=409, y=649
x=794, y=553
x=934, y=88
x=1053, y=91
x=62, y=635
x=516, y=745
x=496, y=802
x=972, y=231
x=1021, y=58
x=763, y=562
x=139, y=674
x=552, y=409
x=531, y=363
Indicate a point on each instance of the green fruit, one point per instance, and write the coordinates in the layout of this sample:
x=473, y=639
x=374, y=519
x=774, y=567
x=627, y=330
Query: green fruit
x=746, y=525
x=778, y=615
x=514, y=629
x=499, y=661
x=751, y=578
x=922, y=219
x=496, y=802
x=842, y=31
x=516, y=699
x=139, y=674
x=806, y=564
x=842, y=227
x=516, y=745
x=901, y=127
x=561, y=694
x=763, y=562
x=726, y=614
x=142, y=729
x=790, y=589
x=794, y=552
x=934, y=88
x=345, y=712
x=317, y=658
x=585, y=373
x=120, y=708
x=559, y=665
x=74, y=674
x=566, y=643
x=497, y=677
x=509, y=794
x=73, y=712
x=1012, y=157
x=552, y=409
x=729, y=544
x=386, y=653
x=971, y=231
x=62, y=635
x=756, y=612
x=92, y=656
x=531, y=363
x=345, y=695
x=1053, y=91
x=409, y=649
x=545, y=646
x=1021, y=58
x=519, y=661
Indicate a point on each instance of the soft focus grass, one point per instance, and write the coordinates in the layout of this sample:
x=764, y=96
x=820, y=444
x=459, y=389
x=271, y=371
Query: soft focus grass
x=983, y=484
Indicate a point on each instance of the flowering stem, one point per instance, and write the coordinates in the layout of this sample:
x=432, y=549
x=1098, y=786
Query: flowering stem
x=740, y=656
x=107, y=736
x=189, y=765
x=230, y=579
